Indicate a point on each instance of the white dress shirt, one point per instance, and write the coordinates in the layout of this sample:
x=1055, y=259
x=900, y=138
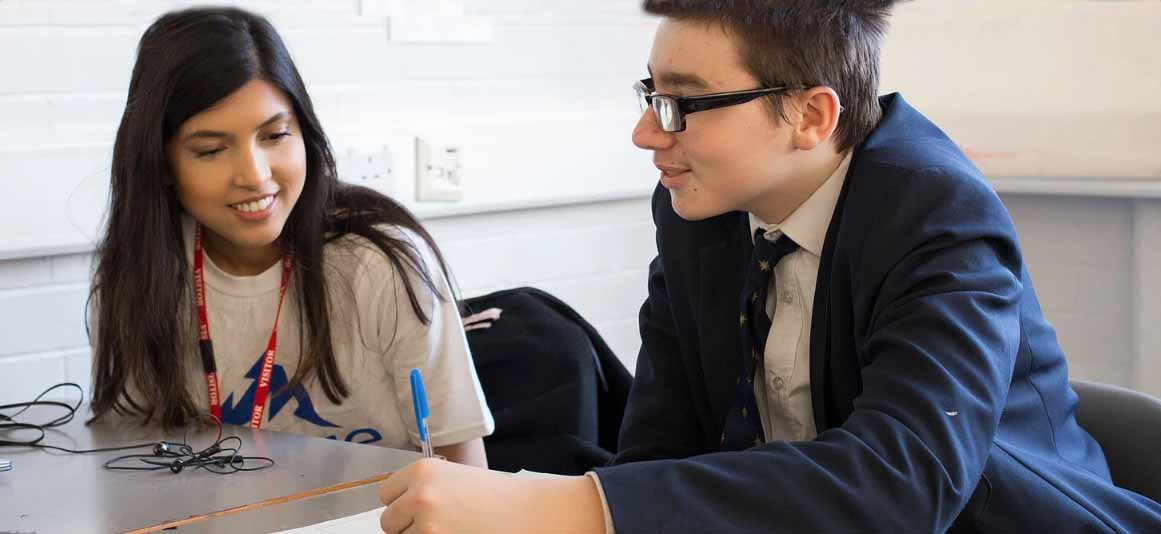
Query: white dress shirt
x=782, y=376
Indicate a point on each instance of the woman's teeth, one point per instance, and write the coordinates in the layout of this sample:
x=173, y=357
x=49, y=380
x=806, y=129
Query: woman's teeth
x=257, y=205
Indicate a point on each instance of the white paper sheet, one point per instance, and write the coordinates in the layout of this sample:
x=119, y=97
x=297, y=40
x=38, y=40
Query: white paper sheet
x=364, y=523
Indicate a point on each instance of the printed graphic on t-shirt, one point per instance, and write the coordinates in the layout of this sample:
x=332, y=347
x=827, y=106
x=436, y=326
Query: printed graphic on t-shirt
x=239, y=413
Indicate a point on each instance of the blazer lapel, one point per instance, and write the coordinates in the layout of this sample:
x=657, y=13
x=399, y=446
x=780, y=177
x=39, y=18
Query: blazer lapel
x=821, y=386
x=721, y=270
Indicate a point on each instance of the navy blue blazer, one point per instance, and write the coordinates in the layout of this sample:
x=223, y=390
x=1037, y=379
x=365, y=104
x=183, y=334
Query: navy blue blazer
x=939, y=391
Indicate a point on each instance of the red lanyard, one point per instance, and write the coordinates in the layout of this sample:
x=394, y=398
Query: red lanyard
x=206, y=345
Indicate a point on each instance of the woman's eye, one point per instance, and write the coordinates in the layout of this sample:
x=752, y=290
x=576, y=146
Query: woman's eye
x=207, y=154
x=278, y=136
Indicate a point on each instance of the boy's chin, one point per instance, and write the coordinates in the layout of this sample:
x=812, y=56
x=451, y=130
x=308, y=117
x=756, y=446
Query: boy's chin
x=694, y=211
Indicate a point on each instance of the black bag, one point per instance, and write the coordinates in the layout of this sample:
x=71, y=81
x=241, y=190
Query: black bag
x=556, y=390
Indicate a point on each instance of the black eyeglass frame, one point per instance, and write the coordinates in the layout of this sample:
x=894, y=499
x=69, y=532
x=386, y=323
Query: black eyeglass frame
x=685, y=105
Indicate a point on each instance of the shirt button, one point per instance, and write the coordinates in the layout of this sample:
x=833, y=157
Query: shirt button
x=778, y=383
x=787, y=297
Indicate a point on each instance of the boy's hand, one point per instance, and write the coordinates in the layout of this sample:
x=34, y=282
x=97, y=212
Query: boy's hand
x=434, y=496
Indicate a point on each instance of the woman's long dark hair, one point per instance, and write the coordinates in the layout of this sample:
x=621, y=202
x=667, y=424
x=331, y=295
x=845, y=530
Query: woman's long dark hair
x=186, y=62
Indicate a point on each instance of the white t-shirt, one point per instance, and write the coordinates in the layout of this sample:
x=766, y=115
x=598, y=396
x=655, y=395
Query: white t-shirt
x=377, y=340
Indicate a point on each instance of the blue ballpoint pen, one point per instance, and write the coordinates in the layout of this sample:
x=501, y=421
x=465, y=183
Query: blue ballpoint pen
x=419, y=401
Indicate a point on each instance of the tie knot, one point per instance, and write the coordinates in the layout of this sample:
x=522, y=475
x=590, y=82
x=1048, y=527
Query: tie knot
x=768, y=253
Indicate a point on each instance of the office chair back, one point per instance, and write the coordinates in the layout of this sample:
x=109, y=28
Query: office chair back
x=1127, y=424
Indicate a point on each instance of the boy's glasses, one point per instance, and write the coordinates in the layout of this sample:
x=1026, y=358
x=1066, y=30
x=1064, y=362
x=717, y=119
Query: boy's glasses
x=670, y=110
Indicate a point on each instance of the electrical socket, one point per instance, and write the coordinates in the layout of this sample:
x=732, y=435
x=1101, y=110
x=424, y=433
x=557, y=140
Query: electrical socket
x=371, y=166
x=438, y=172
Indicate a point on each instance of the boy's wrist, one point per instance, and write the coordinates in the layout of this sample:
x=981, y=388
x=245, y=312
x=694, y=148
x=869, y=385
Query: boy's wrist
x=567, y=504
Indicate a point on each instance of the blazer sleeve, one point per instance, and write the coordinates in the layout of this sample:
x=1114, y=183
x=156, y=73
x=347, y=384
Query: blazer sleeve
x=936, y=356
x=660, y=419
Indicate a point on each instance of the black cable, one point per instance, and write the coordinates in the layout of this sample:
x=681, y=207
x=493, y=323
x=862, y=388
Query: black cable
x=175, y=457
x=12, y=425
x=37, y=402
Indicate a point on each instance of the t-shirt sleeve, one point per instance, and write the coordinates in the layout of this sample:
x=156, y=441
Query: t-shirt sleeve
x=439, y=350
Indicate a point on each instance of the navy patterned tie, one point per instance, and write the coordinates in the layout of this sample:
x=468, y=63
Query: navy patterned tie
x=743, y=427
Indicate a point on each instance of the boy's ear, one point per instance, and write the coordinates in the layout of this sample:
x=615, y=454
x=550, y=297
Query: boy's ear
x=817, y=113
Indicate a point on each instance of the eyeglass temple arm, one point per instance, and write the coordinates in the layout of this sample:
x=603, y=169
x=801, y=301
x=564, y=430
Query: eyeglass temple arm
x=702, y=103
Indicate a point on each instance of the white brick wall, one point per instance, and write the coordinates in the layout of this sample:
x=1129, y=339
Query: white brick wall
x=540, y=84
x=593, y=256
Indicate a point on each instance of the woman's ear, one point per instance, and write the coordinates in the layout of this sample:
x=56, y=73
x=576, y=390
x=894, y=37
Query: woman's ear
x=818, y=115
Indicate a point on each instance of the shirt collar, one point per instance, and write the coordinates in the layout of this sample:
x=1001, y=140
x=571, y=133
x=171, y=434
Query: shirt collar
x=808, y=224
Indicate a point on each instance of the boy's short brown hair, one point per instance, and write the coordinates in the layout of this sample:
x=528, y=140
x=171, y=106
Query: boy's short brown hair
x=804, y=42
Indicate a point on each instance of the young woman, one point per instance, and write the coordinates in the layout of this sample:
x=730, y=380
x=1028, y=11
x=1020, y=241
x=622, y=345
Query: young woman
x=237, y=276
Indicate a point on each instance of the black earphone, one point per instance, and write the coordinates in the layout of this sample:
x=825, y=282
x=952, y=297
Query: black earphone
x=164, y=447
x=222, y=457
x=233, y=461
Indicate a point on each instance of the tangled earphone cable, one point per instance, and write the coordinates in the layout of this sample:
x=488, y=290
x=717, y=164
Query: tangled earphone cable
x=217, y=458
x=9, y=424
x=223, y=456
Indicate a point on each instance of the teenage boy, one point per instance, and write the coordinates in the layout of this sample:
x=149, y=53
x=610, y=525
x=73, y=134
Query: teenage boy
x=840, y=334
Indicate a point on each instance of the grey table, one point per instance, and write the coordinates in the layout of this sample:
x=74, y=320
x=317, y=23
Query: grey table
x=52, y=492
